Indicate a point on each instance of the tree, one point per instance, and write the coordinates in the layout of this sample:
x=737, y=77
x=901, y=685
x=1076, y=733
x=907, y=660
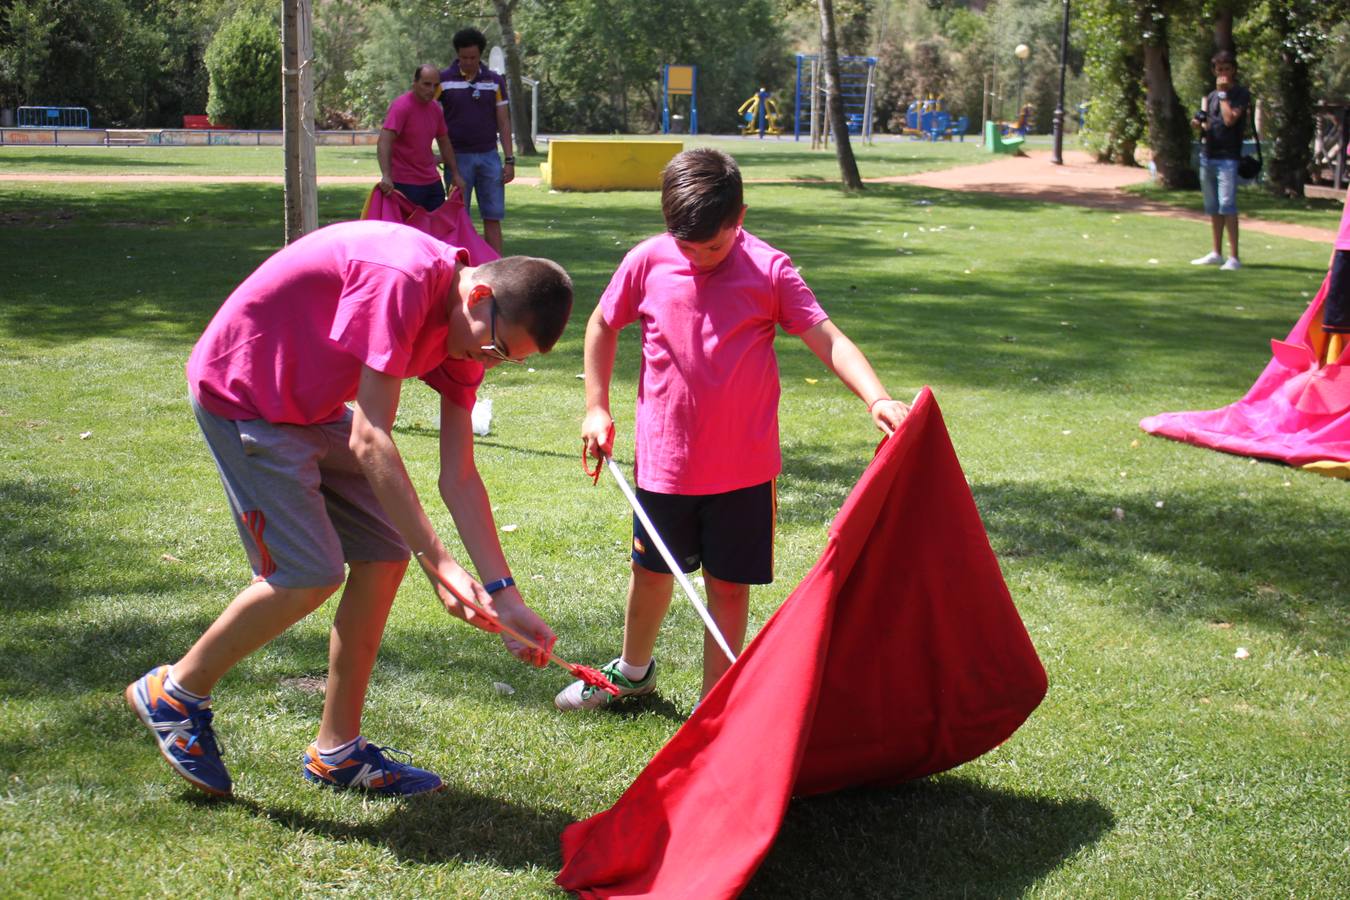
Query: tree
x=26, y=28
x=834, y=106
x=1169, y=129
x=244, y=64
x=515, y=86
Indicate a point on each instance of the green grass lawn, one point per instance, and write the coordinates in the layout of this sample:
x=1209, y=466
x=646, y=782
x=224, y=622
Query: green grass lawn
x=1158, y=765
x=1255, y=203
x=772, y=158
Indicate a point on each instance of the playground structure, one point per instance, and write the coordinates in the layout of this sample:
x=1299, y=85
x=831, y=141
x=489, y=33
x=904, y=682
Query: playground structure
x=679, y=81
x=1331, y=143
x=929, y=118
x=856, y=81
x=761, y=114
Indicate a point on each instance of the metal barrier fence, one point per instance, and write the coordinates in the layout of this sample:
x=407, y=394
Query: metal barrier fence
x=53, y=117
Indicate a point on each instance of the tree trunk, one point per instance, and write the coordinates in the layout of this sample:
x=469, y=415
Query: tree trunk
x=1293, y=121
x=848, y=166
x=297, y=78
x=520, y=105
x=1223, y=30
x=1169, y=129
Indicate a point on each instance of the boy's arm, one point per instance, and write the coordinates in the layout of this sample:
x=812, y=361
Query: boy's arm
x=466, y=497
x=373, y=445
x=602, y=343
x=842, y=357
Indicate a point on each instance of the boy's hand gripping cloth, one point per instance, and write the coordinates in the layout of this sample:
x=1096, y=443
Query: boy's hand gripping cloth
x=899, y=655
x=450, y=222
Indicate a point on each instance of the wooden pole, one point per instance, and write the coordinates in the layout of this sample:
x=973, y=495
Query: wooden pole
x=297, y=113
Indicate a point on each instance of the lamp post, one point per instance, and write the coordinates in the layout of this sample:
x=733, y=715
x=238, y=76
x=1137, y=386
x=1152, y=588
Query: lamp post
x=1057, y=155
x=1021, y=51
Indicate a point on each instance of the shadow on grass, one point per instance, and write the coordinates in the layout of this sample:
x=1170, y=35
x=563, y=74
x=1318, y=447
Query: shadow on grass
x=1211, y=555
x=945, y=837
x=452, y=825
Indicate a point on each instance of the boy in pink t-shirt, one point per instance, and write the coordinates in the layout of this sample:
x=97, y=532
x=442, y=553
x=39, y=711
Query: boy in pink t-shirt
x=318, y=489
x=404, y=152
x=708, y=298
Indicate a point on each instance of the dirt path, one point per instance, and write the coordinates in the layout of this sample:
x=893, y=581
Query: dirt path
x=1079, y=182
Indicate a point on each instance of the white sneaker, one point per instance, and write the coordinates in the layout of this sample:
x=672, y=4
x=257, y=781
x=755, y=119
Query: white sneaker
x=1230, y=265
x=1209, y=259
x=580, y=695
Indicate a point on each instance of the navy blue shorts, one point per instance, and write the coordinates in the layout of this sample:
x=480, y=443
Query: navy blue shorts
x=730, y=534
x=1336, y=304
x=428, y=196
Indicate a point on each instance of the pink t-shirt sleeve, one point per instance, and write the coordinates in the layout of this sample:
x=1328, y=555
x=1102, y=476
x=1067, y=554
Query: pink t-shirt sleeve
x=1343, y=237
x=619, y=302
x=379, y=314
x=457, y=380
x=798, y=309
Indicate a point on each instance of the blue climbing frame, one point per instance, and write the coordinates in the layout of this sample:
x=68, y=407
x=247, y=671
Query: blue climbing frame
x=855, y=87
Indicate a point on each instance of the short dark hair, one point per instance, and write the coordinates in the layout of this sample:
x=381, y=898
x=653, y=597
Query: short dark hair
x=701, y=194
x=417, y=72
x=469, y=37
x=534, y=293
x=1224, y=56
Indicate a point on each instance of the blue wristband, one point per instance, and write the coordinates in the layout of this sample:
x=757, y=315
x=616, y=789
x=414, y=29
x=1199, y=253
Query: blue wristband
x=493, y=587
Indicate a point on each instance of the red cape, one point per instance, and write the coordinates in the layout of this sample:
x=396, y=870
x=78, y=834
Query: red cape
x=899, y=655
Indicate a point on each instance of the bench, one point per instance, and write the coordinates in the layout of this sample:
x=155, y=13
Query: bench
x=603, y=165
x=201, y=122
x=995, y=142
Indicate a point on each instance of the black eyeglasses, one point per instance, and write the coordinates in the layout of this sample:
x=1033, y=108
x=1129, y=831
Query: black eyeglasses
x=492, y=349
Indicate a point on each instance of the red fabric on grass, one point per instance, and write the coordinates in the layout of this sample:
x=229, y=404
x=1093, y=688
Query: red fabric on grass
x=1295, y=412
x=450, y=222
x=899, y=655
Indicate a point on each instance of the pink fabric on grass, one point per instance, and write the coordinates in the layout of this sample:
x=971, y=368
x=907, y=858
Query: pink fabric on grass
x=1296, y=412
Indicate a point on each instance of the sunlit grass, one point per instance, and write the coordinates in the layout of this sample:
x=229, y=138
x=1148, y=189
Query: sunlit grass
x=1159, y=764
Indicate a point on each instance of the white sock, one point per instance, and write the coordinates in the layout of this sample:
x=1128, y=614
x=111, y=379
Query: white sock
x=631, y=672
x=340, y=752
x=182, y=693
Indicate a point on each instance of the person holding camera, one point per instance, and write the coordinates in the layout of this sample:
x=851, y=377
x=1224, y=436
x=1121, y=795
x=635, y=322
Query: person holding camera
x=1221, y=122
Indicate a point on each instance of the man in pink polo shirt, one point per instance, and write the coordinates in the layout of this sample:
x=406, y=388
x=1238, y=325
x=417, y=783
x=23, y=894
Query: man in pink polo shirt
x=407, y=164
x=317, y=487
x=708, y=297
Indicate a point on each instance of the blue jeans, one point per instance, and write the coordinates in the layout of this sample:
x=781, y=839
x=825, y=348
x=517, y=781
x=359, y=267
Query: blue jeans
x=1218, y=184
x=482, y=174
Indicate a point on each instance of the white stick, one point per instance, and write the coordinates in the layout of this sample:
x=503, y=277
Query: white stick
x=670, y=560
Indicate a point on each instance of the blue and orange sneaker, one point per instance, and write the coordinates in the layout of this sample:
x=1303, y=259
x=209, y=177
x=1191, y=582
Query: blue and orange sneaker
x=370, y=768
x=182, y=728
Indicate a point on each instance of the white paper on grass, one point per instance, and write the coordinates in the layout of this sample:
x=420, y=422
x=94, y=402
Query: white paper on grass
x=482, y=417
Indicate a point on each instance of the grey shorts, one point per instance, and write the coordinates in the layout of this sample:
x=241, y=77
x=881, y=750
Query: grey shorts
x=300, y=500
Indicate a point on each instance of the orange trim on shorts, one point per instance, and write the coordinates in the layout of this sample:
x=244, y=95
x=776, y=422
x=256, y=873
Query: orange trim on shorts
x=256, y=523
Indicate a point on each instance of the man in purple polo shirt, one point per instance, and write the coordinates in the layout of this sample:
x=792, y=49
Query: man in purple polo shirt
x=476, y=112
x=404, y=149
